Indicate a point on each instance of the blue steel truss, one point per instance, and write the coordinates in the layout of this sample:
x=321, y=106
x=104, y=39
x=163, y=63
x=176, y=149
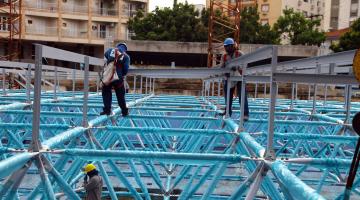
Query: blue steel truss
x=175, y=146
x=180, y=147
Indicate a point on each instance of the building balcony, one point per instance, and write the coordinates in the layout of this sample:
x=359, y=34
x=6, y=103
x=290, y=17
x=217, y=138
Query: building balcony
x=129, y=13
x=142, y=1
x=105, y=12
x=71, y=33
x=73, y=9
x=48, y=31
x=102, y=34
x=43, y=6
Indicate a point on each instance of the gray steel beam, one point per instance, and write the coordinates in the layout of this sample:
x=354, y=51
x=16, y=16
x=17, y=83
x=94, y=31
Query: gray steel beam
x=36, y=145
x=315, y=78
x=86, y=92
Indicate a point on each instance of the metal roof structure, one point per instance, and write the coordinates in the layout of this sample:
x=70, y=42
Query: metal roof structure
x=176, y=146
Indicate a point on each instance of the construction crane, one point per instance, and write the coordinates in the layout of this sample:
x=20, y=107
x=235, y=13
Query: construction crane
x=231, y=9
x=10, y=25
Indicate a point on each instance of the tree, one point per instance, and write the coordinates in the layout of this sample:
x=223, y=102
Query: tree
x=252, y=32
x=298, y=29
x=350, y=40
x=181, y=23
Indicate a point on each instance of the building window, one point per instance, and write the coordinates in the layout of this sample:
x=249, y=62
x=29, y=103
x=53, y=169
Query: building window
x=305, y=13
x=265, y=8
x=64, y=1
x=353, y=11
x=306, y=0
x=29, y=21
x=264, y=21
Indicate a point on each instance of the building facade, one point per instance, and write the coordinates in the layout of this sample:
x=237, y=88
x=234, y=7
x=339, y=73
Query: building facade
x=82, y=25
x=340, y=14
x=271, y=10
x=334, y=14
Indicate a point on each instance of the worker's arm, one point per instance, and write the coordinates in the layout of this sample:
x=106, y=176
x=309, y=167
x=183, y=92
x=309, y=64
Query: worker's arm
x=92, y=184
x=126, y=65
x=222, y=63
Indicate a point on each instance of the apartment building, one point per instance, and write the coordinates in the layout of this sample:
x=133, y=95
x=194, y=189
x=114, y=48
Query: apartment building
x=81, y=25
x=271, y=10
x=340, y=14
x=230, y=13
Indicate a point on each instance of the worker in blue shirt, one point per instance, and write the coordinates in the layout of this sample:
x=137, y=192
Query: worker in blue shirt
x=121, y=61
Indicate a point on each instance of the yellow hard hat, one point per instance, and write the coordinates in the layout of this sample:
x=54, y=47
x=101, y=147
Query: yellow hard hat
x=88, y=168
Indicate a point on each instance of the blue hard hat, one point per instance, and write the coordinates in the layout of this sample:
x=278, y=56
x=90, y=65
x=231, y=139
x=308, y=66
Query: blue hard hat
x=122, y=47
x=229, y=41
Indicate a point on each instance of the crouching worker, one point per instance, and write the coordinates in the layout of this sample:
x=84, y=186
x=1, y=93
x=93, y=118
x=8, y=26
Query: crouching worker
x=92, y=183
x=112, y=76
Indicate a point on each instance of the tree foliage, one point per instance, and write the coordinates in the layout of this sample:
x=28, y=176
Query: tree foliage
x=350, y=40
x=252, y=32
x=298, y=29
x=181, y=23
x=184, y=23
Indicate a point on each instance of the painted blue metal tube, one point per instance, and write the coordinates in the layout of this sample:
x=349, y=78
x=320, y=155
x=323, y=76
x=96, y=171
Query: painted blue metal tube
x=216, y=179
x=62, y=183
x=117, y=111
x=296, y=188
x=107, y=181
x=323, y=138
x=297, y=122
x=5, y=150
x=22, y=105
x=14, y=163
x=63, y=137
x=181, y=158
x=167, y=131
x=16, y=126
x=328, y=162
x=13, y=106
x=251, y=142
x=124, y=180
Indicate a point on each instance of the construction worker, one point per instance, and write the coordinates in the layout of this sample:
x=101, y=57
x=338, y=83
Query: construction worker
x=93, y=187
x=231, y=53
x=121, y=61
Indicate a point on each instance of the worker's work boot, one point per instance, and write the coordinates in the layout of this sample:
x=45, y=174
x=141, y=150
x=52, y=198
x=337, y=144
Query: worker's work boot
x=125, y=112
x=105, y=113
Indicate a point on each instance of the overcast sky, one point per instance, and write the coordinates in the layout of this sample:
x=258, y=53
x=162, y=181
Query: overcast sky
x=169, y=3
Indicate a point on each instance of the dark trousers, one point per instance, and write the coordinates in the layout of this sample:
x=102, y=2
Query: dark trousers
x=119, y=88
x=238, y=86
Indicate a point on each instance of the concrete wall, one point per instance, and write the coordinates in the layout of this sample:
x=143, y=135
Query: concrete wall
x=201, y=48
